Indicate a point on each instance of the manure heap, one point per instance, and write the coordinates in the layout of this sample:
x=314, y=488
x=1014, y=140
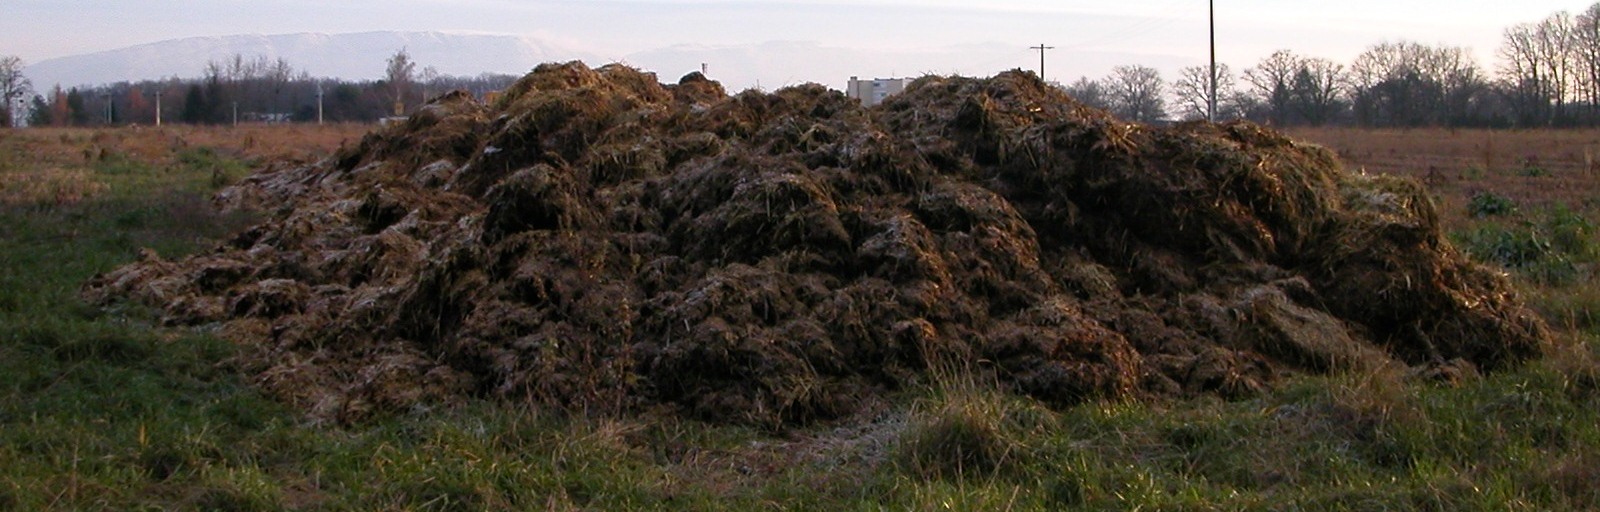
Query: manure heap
x=595, y=239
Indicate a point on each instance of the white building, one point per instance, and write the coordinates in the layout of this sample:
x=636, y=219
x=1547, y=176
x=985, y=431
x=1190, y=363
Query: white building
x=872, y=92
x=21, y=111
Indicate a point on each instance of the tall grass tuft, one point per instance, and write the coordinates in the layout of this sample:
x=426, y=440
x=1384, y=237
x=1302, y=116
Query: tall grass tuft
x=958, y=434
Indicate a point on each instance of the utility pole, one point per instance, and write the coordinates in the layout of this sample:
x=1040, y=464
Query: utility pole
x=319, y=102
x=158, y=107
x=106, y=98
x=236, y=113
x=1041, y=49
x=1211, y=99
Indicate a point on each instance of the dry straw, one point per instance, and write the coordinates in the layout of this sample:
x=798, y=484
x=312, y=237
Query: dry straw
x=597, y=240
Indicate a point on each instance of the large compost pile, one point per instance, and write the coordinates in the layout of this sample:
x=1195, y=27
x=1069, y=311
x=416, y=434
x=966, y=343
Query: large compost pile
x=595, y=239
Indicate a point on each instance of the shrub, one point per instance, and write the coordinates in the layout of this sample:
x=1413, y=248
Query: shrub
x=1571, y=233
x=1486, y=204
x=1512, y=247
x=1549, y=250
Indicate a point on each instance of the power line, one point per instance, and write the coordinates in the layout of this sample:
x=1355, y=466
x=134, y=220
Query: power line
x=1140, y=26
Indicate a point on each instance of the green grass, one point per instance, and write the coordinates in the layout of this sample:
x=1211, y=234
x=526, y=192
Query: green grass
x=1489, y=204
x=104, y=411
x=1552, y=247
x=1519, y=441
x=206, y=160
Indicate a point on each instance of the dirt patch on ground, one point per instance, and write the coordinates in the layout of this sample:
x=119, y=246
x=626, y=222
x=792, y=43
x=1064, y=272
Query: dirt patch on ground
x=597, y=240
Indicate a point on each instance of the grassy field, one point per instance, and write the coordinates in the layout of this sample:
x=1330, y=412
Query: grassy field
x=1536, y=168
x=1527, y=200
x=104, y=411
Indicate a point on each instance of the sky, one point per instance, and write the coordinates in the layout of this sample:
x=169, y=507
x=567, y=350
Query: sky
x=1088, y=36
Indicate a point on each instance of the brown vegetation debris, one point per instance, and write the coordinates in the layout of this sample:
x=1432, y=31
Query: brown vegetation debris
x=597, y=240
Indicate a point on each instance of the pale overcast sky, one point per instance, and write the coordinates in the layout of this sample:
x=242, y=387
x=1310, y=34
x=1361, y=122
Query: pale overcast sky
x=1166, y=33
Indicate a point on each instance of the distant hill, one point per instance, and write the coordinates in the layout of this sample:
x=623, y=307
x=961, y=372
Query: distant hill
x=774, y=64
x=769, y=65
x=358, y=56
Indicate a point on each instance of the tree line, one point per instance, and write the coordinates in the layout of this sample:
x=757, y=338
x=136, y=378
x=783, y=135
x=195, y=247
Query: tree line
x=1548, y=75
x=236, y=90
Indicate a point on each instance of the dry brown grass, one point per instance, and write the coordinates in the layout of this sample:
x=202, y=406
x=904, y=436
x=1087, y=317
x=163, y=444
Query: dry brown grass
x=1416, y=151
x=47, y=186
x=56, y=166
x=1535, y=168
x=77, y=146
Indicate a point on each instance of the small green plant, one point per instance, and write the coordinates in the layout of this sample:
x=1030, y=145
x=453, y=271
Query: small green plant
x=1571, y=233
x=1512, y=247
x=1573, y=307
x=1532, y=169
x=224, y=170
x=117, y=164
x=1555, y=271
x=1551, y=249
x=1490, y=204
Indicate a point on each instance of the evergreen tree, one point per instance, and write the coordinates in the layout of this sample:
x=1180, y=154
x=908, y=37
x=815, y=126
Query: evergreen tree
x=195, y=108
x=40, y=116
x=76, y=112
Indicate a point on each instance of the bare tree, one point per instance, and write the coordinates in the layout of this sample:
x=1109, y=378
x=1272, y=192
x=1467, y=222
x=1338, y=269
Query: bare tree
x=1527, y=87
x=1272, y=81
x=1317, y=93
x=13, y=87
x=1409, y=84
x=1089, y=92
x=1586, y=50
x=429, y=78
x=1193, y=93
x=1554, y=46
x=277, y=76
x=241, y=69
x=1136, y=93
x=399, y=75
x=1464, y=89
x=257, y=87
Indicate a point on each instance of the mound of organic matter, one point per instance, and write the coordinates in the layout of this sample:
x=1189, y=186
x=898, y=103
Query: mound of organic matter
x=598, y=240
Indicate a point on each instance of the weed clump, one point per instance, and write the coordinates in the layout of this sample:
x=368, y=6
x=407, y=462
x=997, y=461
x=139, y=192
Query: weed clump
x=600, y=241
x=964, y=435
x=1553, y=247
x=1490, y=204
